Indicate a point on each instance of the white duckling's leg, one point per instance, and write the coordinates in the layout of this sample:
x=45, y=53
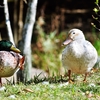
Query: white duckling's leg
x=0, y=82
x=85, y=77
x=69, y=75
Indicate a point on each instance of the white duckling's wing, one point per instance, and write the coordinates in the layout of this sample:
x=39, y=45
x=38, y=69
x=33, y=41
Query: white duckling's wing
x=90, y=53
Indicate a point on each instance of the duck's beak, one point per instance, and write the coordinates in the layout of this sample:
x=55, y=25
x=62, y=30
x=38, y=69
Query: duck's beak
x=13, y=48
x=67, y=41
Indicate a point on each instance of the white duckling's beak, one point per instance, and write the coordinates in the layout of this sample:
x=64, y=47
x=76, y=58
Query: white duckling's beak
x=67, y=41
x=74, y=35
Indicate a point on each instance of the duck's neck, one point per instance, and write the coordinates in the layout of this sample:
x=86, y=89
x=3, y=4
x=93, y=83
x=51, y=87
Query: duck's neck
x=76, y=48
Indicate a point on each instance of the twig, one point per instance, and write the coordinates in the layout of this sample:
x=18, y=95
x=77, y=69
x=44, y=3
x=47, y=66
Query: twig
x=96, y=18
x=98, y=6
x=95, y=26
x=25, y=1
x=1, y=6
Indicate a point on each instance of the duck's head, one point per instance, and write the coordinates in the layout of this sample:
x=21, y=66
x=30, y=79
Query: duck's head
x=8, y=46
x=73, y=35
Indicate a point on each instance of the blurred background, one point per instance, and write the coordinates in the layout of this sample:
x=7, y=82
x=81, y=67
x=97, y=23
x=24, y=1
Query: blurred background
x=54, y=19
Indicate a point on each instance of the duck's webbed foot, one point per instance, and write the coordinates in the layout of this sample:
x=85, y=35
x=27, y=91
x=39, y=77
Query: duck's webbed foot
x=71, y=81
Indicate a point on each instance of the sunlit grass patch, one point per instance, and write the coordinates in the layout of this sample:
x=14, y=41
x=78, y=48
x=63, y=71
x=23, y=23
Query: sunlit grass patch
x=54, y=88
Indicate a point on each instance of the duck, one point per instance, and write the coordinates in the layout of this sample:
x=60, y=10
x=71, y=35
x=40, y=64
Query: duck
x=79, y=56
x=10, y=59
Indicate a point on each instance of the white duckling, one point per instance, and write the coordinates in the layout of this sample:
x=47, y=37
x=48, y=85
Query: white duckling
x=79, y=56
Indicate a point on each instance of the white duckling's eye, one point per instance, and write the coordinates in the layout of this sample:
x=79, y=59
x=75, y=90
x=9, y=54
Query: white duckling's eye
x=73, y=32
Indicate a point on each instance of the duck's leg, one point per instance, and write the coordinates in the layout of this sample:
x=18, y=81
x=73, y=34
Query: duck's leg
x=0, y=82
x=69, y=75
x=85, y=77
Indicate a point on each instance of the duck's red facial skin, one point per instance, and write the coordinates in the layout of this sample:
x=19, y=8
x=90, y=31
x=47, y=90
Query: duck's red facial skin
x=21, y=63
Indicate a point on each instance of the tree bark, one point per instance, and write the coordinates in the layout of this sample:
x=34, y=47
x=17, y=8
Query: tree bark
x=26, y=38
x=15, y=21
x=8, y=22
x=20, y=20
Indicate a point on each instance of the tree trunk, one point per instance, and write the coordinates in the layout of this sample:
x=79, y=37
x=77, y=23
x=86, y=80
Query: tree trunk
x=20, y=20
x=15, y=21
x=8, y=22
x=26, y=39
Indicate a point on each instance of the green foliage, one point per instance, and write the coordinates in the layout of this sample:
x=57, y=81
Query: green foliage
x=97, y=2
x=47, y=55
x=95, y=10
x=97, y=41
x=97, y=46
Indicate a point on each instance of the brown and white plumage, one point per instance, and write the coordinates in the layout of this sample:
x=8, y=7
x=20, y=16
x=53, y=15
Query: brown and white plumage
x=79, y=56
x=10, y=62
x=10, y=59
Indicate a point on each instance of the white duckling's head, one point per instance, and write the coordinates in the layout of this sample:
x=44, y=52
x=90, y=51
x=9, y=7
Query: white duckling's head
x=74, y=35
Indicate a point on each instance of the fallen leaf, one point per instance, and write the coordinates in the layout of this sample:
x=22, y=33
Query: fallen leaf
x=28, y=90
x=12, y=96
x=2, y=88
x=92, y=85
x=89, y=94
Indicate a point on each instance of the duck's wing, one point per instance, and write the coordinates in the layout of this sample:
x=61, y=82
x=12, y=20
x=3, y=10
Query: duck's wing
x=90, y=51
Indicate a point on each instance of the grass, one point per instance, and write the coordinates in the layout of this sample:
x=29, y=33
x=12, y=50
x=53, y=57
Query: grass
x=53, y=89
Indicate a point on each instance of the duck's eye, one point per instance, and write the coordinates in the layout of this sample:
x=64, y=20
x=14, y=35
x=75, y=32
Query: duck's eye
x=73, y=32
